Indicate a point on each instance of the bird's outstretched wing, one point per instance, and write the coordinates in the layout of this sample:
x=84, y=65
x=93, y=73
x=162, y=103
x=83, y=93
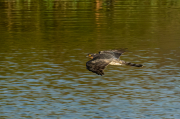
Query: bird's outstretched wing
x=98, y=64
x=116, y=53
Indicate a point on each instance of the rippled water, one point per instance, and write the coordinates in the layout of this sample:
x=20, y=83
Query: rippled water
x=43, y=48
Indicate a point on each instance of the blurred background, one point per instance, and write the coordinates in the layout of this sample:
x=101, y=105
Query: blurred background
x=43, y=48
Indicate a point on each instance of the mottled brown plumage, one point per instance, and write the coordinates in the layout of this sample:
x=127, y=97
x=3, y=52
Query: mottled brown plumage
x=100, y=61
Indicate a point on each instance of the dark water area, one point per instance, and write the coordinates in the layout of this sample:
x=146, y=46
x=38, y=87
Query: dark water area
x=43, y=48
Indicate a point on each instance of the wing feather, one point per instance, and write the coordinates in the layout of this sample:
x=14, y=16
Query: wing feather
x=98, y=64
x=116, y=53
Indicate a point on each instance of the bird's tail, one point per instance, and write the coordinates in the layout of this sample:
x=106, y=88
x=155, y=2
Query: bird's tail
x=132, y=64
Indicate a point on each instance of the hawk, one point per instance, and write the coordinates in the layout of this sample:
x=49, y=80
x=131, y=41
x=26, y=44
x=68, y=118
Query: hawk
x=100, y=61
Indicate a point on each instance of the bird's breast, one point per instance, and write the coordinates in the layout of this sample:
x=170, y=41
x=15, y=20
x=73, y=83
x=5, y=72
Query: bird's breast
x=115, y=63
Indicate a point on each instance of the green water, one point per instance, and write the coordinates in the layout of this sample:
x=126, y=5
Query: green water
x=43, y=48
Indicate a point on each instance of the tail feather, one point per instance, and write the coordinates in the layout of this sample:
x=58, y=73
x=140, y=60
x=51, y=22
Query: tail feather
x=132, y=64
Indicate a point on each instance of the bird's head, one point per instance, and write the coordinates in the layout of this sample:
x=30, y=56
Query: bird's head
x=91, y=56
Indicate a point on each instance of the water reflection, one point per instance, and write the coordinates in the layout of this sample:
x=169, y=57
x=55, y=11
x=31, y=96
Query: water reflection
x=42, y=59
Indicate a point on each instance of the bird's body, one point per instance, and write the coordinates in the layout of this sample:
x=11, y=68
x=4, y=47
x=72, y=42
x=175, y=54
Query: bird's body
x=100, y=61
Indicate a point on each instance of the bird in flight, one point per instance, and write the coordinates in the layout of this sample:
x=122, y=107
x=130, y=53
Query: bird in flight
x=100, y=61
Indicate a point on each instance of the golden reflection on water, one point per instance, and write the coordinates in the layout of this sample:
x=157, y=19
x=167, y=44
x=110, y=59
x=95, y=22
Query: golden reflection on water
x=43, y=54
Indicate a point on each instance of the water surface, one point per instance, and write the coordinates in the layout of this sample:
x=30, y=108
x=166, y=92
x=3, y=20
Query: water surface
x=43, y=48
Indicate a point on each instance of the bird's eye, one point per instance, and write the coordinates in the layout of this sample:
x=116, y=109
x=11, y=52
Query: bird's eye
x=89, y=55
